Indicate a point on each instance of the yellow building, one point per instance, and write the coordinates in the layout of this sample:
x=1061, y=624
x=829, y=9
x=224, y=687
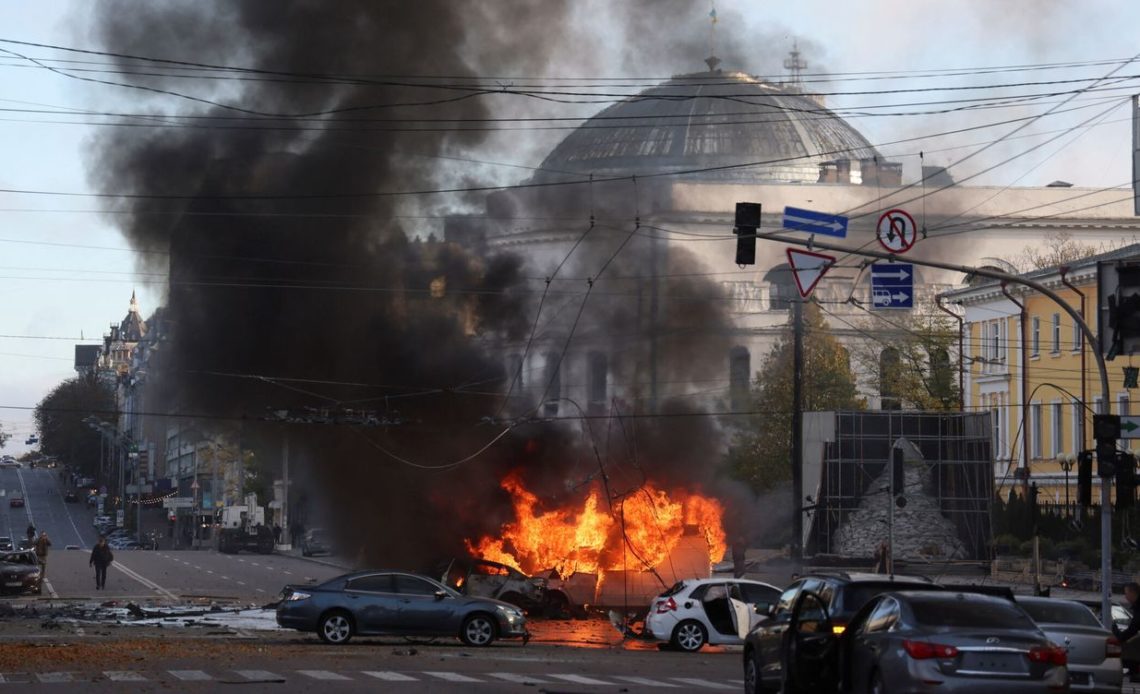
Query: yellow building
x=1025, y=361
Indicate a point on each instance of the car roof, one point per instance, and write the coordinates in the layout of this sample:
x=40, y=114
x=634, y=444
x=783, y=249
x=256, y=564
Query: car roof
x=867, y=577
x=948, y=596
x=726, y=579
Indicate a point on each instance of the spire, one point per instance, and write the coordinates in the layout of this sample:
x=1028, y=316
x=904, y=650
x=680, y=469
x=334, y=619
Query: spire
x=712, y=61
x=134, y=303
x=794, y=65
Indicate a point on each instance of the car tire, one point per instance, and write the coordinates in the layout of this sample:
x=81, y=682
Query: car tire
x=752, y=683
x=876, y=685
x=479, y=629
x=335, y=627
x=690, y=636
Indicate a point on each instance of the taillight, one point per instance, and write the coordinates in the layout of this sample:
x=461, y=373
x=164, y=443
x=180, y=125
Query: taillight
x=1112, y=647
x=1053, y=655
x=921, y=650
x=666, y=606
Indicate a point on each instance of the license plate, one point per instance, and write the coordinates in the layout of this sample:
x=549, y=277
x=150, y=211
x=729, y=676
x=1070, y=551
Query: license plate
x=994, y=662
x=13, y=584
x=1082, y=678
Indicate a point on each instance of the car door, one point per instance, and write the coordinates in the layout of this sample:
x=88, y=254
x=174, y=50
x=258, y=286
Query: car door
x=770, y=635
x=421, y=610
x=373, y=602
x=812, y=653
x=750, y=604
x=867, y=644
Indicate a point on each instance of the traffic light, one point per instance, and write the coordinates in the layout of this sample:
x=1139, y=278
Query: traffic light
x=1125, y=481
x=1084, y=478
x=898, y=479
x=747, y=223
x=1118, y=282
x=1106, y=430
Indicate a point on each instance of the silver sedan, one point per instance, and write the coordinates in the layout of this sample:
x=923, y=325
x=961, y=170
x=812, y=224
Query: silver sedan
x=1094, y=653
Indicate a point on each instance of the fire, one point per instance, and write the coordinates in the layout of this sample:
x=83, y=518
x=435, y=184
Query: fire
x=637, y=534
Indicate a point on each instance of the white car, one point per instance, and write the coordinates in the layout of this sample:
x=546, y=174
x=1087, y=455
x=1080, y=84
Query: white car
x=718, y=611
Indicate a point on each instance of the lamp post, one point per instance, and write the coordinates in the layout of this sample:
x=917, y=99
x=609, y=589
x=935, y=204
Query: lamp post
x=1066, y=462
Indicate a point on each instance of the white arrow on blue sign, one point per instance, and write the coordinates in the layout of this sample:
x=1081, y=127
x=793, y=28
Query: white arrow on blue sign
x=815, y=222
x=892, y=285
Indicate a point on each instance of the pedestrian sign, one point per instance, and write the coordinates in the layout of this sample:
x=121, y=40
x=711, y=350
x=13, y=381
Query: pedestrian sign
x=808, y=268
x=892, y=285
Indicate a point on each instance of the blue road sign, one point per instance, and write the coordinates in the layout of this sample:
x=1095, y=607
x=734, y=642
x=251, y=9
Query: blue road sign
x=815, y=222
x=892, y=285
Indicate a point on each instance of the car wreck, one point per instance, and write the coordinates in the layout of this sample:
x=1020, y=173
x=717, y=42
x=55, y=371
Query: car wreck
x=547, y=595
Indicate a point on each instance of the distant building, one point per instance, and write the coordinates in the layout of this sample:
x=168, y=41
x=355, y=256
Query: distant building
x=87, y=359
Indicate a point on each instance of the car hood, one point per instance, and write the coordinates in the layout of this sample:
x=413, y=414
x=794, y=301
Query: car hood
x=18, y=570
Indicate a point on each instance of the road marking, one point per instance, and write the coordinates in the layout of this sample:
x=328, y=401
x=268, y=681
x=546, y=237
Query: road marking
x=209, y=572
x=54, y=677
x=241, y=583
x=225, y=578
x=578, y=679
x=145, y=581
x=190, y=675
x=324, y=675
x=693, y=681
x=452, y=676
x=51, y=590
x=643, y=681
x=260, y=675
x=518, y=679
x=390, y=676
x=124, y=676
x=287, y=573
x=253, y=563
x=259, y=590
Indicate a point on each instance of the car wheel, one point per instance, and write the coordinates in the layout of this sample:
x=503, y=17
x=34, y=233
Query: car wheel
x=877, y=686
x=335, y=627
x=478, y=630
x=751, y=673
x=689, y=636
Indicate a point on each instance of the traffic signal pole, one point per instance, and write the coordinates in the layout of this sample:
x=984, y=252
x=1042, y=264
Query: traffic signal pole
x=1078, y=319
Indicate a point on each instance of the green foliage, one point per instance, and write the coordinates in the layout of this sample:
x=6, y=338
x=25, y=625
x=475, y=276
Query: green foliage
x=923, y=374
x=59, y=419
x=761, y=448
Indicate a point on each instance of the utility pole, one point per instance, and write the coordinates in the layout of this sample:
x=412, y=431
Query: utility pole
x=285, y=530
x=797, y=429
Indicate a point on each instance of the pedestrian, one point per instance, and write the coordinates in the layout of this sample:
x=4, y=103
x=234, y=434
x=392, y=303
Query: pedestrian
x=31, y=533
x=1130, y=636
x=883, y=558
x=101, y=558
x=41, y=548
x=739, y=556
x=276, y=534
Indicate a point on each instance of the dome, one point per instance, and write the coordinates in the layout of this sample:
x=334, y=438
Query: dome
x=707, y=120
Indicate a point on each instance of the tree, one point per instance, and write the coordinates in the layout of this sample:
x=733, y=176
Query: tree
x=760, y=453
x=1057, y=249
x=4, y=436
x=911, y=359
x=59, y=419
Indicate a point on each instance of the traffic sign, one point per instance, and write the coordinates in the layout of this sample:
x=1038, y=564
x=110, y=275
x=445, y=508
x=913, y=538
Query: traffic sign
x=815, y=222
x=808, y=268
x=892, y=285
x=1129, y=426
x=896, y=231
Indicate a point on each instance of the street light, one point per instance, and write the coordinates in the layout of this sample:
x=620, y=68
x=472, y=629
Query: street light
x=1066, y=460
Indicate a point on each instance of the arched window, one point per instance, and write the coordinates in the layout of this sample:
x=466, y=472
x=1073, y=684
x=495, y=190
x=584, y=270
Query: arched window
x=782, y=288
x=889, y=363
x=597, y=377
x=739, y=376
x=552, y=382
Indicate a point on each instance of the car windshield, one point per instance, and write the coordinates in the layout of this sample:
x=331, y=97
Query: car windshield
x=960, y=610
x=1059, y=612
x=22, y=558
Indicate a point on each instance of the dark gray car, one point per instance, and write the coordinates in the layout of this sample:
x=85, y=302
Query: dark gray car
x=394, y=603
x=912, y=641
x=1094, y=653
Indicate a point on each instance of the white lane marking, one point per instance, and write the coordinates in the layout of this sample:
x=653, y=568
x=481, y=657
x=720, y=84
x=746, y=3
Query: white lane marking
x=54, y=677
x=253, y=563
x=287, y=573
x=24, y=489
x=259, y=590
x=518, y=679
x=50, y=588
x=124, y=676
x=225, y=578
x=209, y=572
x=261, y=675
x=643, y=681
x=324, y=675
x=452, y=677
x=578, y=679
x=190, y=675
x=241, y=583
x=143, y=580
x=693, y=681
x=390, y=676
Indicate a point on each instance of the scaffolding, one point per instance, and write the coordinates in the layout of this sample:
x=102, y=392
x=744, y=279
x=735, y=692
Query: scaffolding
x=855, y=447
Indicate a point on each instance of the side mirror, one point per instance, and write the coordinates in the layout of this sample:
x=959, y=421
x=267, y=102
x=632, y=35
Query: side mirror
x=440, y=594
x=771, y=609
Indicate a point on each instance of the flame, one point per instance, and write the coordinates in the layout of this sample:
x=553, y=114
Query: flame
x=639, y=533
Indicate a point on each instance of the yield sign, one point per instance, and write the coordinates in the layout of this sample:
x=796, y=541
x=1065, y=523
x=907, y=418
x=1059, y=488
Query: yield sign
x=808, y=268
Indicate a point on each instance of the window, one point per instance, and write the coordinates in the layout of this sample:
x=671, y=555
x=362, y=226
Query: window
x=1035, y=337
x=1122, y=409
x=377, y=583
x=739, y=376
x=782, y=288
x=1077, y=342
x=1078, y=420
x=1098, y=405
x=516, y=366
x=889, y=360
x=1055, y=440
x=597, y=367
x=552, y=375
x=1035, y=430
x=885, y=615
x=994, y=343
x=413, y=585
x=1056, y=333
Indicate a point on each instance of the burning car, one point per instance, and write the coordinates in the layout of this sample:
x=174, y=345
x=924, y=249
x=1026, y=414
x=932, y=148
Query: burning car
x=482, y=578
x=20, y=573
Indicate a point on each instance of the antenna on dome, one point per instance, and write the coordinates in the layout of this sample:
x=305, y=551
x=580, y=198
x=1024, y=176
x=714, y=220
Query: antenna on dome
x=794, y=65
x=712, y=61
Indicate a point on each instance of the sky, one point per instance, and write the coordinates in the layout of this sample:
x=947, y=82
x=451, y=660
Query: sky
x=66, y=273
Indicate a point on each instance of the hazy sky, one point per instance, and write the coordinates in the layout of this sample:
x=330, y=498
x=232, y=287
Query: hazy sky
x=66, y=272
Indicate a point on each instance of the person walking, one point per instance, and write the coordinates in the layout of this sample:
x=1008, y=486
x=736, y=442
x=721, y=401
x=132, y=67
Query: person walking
x=101, y=558
x=31, y=533
x=41, y=548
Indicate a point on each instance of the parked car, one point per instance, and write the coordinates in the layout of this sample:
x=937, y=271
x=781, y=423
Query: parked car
x=1094, y=653
x=910, y=640
x=315, y=542
x=844, y=592
x=6, y=544
x=23, y=543
x=394, y=603
x=16, y=500
x=1121, y=615
x=695, y=612
x=71, y=497
x=20, y=572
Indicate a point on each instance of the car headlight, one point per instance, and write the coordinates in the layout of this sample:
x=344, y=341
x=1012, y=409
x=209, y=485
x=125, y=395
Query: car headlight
x=297, y=595
x=513, y=614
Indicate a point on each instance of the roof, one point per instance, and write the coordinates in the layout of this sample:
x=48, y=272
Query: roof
x=706, y=120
